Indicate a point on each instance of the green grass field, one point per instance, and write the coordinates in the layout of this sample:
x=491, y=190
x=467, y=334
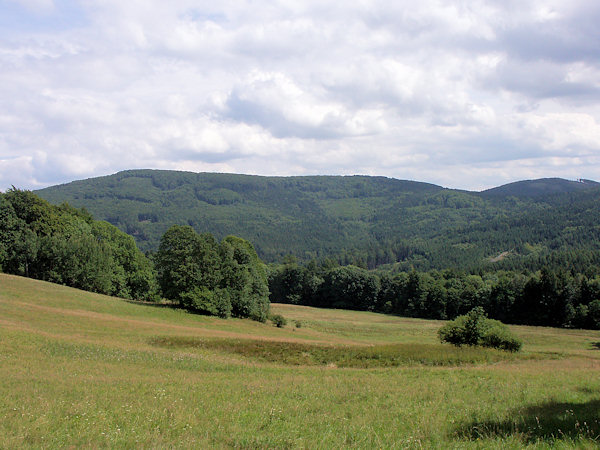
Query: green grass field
x=85, y=370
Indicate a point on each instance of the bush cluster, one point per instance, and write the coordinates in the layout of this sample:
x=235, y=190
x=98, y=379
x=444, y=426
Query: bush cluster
x=475, y=328
x=278, y=320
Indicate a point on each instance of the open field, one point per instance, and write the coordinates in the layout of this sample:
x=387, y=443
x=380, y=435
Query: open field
x=85, y=370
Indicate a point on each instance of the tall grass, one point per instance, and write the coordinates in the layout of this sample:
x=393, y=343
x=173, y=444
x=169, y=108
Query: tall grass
x=386, y=355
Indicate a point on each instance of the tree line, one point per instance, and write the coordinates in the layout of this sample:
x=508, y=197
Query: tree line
x=548, y=297
x=221, y=279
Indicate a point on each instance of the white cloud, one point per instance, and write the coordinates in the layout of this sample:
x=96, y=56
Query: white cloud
x=279, y=105
x=462, y=94
x=568, y=133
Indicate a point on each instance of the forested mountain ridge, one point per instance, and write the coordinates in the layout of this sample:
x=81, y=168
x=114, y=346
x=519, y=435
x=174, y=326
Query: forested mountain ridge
x=361, y=220
x=540, y=188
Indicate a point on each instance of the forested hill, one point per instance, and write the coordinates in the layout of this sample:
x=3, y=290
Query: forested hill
x=540, y=188
x=361, y=220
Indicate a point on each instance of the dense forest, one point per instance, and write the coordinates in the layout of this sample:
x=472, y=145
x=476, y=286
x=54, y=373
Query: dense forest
x=364, y=221
x=548, y=297
x=65, y=245
x=527, y=253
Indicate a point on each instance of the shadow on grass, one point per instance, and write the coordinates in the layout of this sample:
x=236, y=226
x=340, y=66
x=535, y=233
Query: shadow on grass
x=549, y=422
x=596, y=345
x=152, y=304
x=175, y=306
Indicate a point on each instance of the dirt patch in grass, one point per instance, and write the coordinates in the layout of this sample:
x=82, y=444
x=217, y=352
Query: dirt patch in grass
x=308, y=354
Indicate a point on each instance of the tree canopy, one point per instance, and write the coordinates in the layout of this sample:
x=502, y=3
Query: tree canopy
x=65, y=245
x=223, y=279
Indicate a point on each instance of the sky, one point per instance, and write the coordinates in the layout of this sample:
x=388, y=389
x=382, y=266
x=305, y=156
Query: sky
x=463, y=94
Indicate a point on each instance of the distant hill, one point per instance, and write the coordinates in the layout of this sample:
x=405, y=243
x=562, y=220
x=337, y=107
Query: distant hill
x=369, y=221
x=541, y=187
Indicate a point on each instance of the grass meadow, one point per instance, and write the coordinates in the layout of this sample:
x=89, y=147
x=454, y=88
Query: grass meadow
x=84, y=370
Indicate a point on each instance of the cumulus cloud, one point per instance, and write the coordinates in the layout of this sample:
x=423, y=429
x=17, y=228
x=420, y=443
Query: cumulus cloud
x=278, y=104
x=467, y=95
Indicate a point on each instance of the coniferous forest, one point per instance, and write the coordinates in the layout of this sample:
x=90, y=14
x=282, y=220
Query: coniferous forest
x=527, y=253
x=358, y=220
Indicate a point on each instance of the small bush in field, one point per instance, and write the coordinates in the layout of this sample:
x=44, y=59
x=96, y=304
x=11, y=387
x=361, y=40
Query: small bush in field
x=298, y=323
x=475, y=328
x=278, y=320
x=501, y=338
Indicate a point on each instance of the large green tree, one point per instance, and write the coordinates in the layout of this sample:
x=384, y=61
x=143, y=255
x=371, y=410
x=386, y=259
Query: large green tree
x=244, y=276
x=220, y=279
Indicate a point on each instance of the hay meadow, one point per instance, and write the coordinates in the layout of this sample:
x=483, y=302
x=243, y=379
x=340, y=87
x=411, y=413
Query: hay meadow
x=84, y=370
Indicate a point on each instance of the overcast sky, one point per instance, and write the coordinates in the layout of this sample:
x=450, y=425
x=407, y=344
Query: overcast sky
x=464, y=94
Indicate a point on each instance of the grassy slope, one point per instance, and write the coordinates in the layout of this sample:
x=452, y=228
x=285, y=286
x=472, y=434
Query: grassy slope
x=81, y=369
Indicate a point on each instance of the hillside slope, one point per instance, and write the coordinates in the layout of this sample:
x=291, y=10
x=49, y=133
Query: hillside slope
x=356, y=219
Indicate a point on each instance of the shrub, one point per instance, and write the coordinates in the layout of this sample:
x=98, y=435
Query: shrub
x=499, y=336
x=475, y=328
x=278, y=320
x=216, y=303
